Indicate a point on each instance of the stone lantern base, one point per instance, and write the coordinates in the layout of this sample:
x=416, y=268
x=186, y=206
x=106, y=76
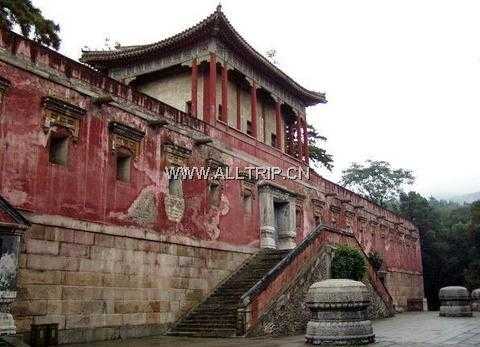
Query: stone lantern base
x=7, y=324
x=476, y=300
x=339, y=313
x=455, y=302
x=340, y=333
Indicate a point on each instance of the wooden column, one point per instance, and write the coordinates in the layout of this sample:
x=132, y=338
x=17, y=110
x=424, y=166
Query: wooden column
x=224, y=115
x=305, y=141
x=253, y=93
x=194, y=99
x=239, y=112
x=298, y=130
x=212, y=90
x=279, y=124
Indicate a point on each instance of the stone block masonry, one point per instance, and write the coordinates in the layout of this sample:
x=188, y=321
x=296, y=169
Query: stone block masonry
x=99, y=286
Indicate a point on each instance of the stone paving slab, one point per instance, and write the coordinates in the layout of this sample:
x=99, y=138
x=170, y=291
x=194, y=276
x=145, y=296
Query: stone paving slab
x=407, y=329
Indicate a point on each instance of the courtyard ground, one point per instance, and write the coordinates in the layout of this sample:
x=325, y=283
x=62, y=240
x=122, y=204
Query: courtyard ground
x=407, y=329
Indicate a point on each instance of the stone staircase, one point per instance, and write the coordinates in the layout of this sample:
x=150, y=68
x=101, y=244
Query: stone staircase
x=217, y=315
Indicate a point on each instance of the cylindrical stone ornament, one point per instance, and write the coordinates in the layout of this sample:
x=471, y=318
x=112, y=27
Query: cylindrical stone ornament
x=455, y=302
x=339, y=313
x=476, y=300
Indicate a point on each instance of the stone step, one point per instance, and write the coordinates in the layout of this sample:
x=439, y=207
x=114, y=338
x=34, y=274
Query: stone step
x=217, y=315
x=210, y=333
x=205, y=325
x=210, y=318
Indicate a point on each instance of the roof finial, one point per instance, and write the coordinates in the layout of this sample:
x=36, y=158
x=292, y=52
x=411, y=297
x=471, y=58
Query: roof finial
x=219, y=7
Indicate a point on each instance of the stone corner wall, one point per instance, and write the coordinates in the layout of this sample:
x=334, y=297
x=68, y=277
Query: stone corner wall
x=101, y=287
x=404, y=286
x=288, y=314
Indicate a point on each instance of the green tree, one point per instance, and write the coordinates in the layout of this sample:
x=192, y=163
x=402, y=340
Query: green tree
x=472, y=275
x=22, y=14
x=376, y=180
x=474, y=226
x=447, y=250
x=316, y=153
x=348, y=263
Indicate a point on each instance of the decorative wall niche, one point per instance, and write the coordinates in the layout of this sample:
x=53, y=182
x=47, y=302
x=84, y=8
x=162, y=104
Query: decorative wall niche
x=317, y=206
x=247, y=191
x=61, y=114
x=216, y=171
x=126, y=137
x=4, y=87
x=349, y=220
x=175, y=157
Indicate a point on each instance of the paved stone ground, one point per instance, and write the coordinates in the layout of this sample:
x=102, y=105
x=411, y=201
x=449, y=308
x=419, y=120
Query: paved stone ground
x=407, y=329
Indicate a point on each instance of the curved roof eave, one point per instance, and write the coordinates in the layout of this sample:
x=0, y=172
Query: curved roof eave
x=106, y=59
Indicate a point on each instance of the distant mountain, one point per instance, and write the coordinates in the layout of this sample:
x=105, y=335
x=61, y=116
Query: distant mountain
x=468, y=198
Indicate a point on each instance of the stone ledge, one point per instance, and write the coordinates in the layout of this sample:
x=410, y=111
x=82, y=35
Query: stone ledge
x=133, y=232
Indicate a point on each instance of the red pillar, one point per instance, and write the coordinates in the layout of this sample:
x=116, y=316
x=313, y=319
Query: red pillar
x=239, y=113
x=305, y=141
x=194, y=87
x=279, y=124
x=224, y=115
x=212, y=90
x=298, y=130
x=253, y=93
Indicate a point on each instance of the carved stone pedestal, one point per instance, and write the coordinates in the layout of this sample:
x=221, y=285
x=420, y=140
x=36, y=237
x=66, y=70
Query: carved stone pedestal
x=455, y=302
x=476, y=300
x=339, y=308
x=7, y=324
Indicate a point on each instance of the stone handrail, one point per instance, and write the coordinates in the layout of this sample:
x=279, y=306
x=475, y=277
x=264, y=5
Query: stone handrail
x=270, y=286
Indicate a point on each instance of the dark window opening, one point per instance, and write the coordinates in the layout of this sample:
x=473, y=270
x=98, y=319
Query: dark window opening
x=220, y=111
x=249, y=128
x=58, y=151
x=123, y=166
x=273, y=139
x=317, y=220
x=188, y=107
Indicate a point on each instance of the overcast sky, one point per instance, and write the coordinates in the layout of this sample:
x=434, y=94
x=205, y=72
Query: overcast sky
x=402, y=78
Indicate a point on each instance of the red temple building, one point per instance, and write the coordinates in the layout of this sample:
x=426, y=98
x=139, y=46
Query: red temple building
x=117, y=248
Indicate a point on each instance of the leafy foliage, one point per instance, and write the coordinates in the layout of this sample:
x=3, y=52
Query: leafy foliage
x=472, y=275
x=376, y=260
x=448, y=254
x=318, y=154
x=22, y=14
x=376, y=180
x=348, y=263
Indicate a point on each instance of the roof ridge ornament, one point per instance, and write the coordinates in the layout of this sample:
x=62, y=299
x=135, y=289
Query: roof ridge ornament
x=219, y=7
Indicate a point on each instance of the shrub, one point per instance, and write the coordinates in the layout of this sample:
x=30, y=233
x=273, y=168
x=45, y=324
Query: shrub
x=348, y=263
x=376, y=260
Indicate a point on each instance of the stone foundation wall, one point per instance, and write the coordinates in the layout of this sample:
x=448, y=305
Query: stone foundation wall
x=98, y=286
x=403, y=286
